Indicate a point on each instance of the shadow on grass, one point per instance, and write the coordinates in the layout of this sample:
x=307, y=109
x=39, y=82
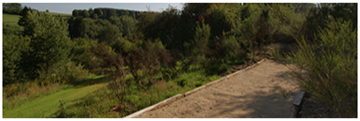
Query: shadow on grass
x=90, y=80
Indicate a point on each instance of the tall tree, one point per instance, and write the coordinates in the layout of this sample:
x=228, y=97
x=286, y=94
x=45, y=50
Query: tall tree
x=95, y=16
x=111, y=12
x=85, y=14
x=49, y=44
x=99, y=12
x=76, y=13
x=91, y=11
x=24, y=14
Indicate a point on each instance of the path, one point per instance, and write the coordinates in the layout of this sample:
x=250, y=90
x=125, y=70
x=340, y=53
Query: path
x=252, y=93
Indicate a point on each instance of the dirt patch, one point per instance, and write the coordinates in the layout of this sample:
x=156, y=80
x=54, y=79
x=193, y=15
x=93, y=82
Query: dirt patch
x=253, y=93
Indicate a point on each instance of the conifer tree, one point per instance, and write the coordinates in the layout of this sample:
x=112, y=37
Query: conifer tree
x=49, y=43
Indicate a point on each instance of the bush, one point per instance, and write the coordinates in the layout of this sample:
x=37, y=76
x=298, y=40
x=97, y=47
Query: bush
x=80, y=51
x=332, y=67
x=13, y=47
x=216, y=68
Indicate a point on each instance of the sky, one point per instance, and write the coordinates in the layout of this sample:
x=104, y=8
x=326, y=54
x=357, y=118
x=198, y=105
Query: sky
x=67, y=8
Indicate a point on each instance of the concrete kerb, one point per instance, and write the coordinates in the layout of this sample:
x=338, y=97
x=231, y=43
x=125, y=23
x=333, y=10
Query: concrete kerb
x=179, y=96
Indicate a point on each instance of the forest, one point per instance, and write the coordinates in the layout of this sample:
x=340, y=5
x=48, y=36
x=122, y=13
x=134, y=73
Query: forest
x=145, y=57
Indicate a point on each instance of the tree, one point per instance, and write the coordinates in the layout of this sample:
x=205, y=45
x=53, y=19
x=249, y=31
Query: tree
x=13, y=47
x=23, y=14
x=126, y=24
x=99, y=12
x=76, y=13
x=95, y=16
x=108, y=34
x=91, y=11
x=49, y=44
x=111, y=12
x=12, y=8
x=85, y=14
x=47, y=10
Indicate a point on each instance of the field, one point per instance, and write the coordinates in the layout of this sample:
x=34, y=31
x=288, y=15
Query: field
x=10, y=19
x=13, y=19
x=45, y=106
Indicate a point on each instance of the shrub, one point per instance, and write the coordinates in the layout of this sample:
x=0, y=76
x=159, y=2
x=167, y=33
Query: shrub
x=216, y=68
x=332, y=67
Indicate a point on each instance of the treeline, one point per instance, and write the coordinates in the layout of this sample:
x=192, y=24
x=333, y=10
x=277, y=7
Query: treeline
x=15, y=8
x=12, y=8
x=167, y=43
x=105, y=13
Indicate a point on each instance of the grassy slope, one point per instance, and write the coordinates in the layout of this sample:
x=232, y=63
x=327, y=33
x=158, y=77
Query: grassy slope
x=13, y=19
x=45, y=106
x=8, y=18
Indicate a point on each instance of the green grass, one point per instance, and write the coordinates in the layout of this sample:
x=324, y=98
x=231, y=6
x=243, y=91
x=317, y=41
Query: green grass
x=10, y=19
x=13, y=19
x=99, y=104
x=83, y=101
x=47, y=105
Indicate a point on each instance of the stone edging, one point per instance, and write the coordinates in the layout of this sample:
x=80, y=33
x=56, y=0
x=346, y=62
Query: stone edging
x=179, y=96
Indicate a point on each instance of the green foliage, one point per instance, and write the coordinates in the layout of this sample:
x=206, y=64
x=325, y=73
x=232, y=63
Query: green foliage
x=49, y=43
x=85, y=14
x=94, y=16
x=216, y=68
x=250, y=16
x=84, y=28
x=123, y=46
x=12, y=8
x=233, y=49
x=318, y=17
x=162, y=51
x=331, y=65
x=13, y=47
x=108, y=34
x=24, y=13
x=13, y=30
x=80, y=52
x=286, y=21
x=126, y=24
x=201, y=38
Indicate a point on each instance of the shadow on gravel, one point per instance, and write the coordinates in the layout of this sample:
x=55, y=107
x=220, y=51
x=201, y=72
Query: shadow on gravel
x=269, y=104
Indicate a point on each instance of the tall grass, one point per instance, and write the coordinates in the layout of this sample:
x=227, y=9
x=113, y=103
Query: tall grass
x=103, y=103
x=331, y=63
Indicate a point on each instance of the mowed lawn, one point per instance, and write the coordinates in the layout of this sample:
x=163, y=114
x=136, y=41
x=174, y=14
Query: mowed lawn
x=10, y=19
x=45, y=106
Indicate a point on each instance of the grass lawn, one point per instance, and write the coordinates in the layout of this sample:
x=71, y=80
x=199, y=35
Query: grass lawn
x=47, y=105
x=10, y=19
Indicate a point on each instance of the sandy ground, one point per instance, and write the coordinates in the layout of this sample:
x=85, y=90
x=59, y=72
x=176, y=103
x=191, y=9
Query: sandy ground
x=250, y=94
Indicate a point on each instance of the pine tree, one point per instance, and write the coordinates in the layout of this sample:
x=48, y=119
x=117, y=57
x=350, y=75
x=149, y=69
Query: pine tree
x=24, y=14
x=49, y=43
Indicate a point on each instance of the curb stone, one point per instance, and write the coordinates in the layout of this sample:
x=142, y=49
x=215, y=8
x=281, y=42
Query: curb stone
x=295, y=108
